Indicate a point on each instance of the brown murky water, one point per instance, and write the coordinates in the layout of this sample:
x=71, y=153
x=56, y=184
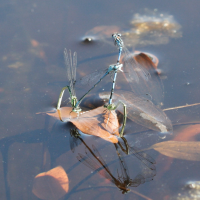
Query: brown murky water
x=33, y=36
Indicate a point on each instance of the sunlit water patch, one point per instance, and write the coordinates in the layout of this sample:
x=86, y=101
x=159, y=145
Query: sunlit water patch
x=152, y=27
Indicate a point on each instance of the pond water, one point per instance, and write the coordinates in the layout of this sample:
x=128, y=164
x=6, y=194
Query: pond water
x=33, y=36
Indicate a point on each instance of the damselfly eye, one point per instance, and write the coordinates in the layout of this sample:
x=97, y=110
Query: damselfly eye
x=119, y=34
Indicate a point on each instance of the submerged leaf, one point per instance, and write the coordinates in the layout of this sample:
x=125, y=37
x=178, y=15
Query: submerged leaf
x=98, y=122
x=188, y=134
x=180, y=150
x=51, y=185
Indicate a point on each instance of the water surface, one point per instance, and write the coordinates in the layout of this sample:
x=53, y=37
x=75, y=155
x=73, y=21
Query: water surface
x=33, y=37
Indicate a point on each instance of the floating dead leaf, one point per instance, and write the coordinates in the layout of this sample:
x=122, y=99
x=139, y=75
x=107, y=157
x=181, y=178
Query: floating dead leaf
x=51, y=185
x=147, y=60
x=180, y=150
x=98, y=122
x=64, y=114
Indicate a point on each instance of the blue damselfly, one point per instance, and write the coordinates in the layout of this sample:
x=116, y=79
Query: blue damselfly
x=110, y=106
x=71, y=65
x=133, y=69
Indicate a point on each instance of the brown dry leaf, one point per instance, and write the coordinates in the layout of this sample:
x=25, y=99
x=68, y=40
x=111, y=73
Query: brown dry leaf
x=180, y=150
x=98, y=122
x=147, y=60
x=51, y=185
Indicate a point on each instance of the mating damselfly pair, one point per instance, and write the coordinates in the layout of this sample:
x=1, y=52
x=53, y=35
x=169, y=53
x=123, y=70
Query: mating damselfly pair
x=134, y=73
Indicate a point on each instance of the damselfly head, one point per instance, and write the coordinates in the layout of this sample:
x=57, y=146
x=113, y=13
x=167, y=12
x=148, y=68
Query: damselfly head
x=118, y=40
x=76, y=110
x=115, y=35
x=110, y=106
x=73, y=101
x=75, y=133
x=124, y=190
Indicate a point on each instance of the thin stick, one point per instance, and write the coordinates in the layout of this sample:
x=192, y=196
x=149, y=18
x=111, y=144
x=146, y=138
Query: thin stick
x=113, y=187
x=195, y=104
x=139, y=194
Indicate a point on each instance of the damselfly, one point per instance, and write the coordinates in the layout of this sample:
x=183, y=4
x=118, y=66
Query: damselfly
x=112, y=68
x=71, y=65
x=133, y=69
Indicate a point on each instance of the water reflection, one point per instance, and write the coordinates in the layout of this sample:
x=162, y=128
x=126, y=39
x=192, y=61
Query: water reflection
x=93, y=159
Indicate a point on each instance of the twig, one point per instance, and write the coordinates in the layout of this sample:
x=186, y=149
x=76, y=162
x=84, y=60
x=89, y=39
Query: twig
x=195, y=104
x=113, y=187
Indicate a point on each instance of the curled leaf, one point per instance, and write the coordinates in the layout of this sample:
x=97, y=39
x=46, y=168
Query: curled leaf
x=51, y=185
x=64, y=114
x=147, y=62
x=99, y=122
x=180, y=150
